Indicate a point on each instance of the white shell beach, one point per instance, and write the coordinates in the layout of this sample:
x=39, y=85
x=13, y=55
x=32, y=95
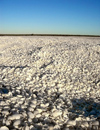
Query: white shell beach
x=49, y=82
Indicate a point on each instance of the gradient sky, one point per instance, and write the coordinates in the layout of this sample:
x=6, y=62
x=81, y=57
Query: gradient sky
x=50, y=16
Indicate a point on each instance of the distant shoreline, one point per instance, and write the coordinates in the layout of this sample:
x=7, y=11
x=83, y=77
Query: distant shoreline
x=49, y=35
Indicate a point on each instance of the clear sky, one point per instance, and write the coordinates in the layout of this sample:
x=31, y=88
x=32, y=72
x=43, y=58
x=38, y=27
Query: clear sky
x=50, y=16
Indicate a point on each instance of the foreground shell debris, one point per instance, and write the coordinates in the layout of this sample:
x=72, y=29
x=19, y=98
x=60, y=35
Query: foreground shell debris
x=49, y=83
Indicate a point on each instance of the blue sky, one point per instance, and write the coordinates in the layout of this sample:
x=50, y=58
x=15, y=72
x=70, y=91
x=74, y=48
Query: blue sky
x=50, y=16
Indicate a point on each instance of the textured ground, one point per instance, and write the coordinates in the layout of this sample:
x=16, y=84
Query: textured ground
x=49, y=83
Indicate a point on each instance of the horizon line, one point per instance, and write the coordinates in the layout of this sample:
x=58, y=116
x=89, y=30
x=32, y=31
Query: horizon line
x=32, y=34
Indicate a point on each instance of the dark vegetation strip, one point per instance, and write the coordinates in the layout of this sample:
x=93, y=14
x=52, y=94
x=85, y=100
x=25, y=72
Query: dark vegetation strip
x=49, y=35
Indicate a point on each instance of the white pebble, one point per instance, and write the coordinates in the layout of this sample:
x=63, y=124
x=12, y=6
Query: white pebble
x=4, y=128
x=17, y=123
x=15, y=117
x=27, y=128
x=56, y=113
x=71, y=123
